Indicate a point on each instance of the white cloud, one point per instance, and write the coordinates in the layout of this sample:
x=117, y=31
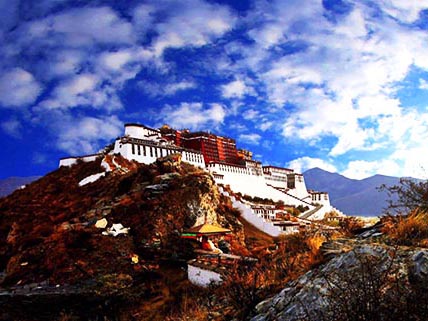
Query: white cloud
x=302, y=164
x=423, y=84
x=413, y=160
x=84, y=26
x=253, y=139
x=376, y=105
x=361, y=169
x=80, y=84
x=331, y=80
x=85, y=135
x=193, y=23
x=236, y=89
x=171, y=89
x=167, y=89
x=18, y=88
x=352, y=25
x=407, y=11
x=143, y=17
x=352, y=138
x=12, y=127
x=86, y=53
x=193, y=115
x=75, y=91
x=116, y=60
x=65, y=63
x=265, y=125
x=327, y=118
x=342, y=81
x=251, y=114
x=268, y=35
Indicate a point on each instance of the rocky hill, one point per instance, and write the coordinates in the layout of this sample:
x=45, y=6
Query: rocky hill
x=58, y=231
x=101, y=241
x=351, y=196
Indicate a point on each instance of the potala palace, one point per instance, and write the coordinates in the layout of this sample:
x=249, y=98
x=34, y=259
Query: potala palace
x=228, y=166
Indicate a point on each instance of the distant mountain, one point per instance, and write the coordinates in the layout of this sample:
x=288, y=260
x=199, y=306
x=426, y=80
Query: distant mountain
x=351, y=196
x=10, y=184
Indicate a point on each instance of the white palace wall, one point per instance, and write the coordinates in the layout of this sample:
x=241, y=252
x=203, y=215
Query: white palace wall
x=300, y=190
x=253, y=185
x=141, y=132
x=147, y=154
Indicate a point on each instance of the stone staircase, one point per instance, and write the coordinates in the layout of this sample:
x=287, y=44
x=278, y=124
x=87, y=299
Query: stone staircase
x=248, y=214
x=308, y=214
x=284, y=191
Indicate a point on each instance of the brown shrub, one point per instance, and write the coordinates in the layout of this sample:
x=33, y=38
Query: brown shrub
x=408, y=230
x=350, y=224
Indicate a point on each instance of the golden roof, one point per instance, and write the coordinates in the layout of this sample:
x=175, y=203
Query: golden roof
x=207, y=229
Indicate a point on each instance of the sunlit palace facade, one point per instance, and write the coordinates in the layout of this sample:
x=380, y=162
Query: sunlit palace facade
x=216, y=154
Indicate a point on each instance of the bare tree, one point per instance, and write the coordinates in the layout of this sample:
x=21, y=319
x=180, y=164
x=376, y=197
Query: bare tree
x=408, y=195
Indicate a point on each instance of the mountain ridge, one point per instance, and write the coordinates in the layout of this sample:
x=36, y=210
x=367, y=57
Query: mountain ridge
x=352, y=196
x=10, y=184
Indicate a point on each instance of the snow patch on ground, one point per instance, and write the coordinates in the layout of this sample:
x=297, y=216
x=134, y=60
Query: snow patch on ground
x=91, y=179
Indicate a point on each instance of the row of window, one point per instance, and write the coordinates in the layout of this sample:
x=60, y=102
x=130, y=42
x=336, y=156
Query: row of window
x=161, y=152
x=255, y=171
x=263, y=211
x=276, y=178
x=318, y=197
x=232, y=169
x=192, y=157
x=151, y=151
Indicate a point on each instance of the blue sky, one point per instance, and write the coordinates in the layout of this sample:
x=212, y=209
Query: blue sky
x=337, y=84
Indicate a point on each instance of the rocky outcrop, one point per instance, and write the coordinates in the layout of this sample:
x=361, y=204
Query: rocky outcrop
x=370, y=282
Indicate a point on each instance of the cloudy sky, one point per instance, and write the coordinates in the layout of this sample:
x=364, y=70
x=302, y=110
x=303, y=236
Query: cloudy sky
x=336, y=84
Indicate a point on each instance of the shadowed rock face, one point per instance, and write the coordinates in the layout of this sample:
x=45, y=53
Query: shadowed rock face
x=48, y=230
x=369, y=281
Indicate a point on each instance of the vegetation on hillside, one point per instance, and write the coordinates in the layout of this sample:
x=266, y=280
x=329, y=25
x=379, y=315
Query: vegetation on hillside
x=281, y=261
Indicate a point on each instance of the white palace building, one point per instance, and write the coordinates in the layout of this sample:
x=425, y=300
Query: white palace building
x=219, y=156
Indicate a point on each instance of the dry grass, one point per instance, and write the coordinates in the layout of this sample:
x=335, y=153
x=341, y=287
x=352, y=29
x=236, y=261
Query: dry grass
x=411, y=229
x=314, y=243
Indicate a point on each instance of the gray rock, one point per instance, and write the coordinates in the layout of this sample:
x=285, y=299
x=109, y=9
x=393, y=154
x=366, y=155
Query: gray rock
x=418, y=270
x=347, y=276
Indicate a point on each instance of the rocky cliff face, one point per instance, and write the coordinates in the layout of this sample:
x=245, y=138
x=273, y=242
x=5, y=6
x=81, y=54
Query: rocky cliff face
x=49, y=231
x=370, y=282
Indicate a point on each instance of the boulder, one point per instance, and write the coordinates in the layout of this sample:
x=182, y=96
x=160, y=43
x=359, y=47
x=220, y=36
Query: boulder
x=364, y=279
